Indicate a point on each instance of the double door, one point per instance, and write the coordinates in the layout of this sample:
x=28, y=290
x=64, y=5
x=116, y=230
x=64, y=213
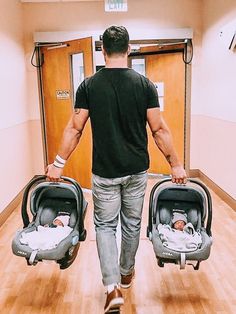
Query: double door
x=64, y=68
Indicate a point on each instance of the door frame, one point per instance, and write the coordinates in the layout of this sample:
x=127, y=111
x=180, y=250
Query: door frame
x=41, y=38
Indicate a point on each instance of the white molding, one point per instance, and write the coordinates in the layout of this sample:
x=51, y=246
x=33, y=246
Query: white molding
x=176, y=33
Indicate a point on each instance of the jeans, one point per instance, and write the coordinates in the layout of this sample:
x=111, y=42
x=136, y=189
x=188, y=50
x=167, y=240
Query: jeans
x=112, y=197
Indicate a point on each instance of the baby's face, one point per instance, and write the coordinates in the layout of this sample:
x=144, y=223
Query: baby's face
x=179, y=225
x=57, y=222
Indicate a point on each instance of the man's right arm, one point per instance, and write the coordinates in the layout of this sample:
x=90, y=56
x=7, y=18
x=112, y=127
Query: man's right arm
x=70, y=139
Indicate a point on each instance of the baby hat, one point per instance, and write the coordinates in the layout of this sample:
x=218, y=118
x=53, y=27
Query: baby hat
x=179, y=216
x=64, y=219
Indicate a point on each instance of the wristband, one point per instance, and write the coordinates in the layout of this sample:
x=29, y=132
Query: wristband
x=59, y=162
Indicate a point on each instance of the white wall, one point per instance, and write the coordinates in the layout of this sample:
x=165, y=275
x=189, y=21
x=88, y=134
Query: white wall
x=218, y=62
x=17, y=132
x=214, y=120
x=12, y=59
x=15, y=161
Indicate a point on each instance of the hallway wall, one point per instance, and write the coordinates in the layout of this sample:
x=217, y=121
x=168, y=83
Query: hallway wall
x=214, y=112
x=16, y=166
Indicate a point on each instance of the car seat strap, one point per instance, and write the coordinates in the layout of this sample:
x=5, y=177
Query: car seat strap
x=182, y=260
x=32, y=260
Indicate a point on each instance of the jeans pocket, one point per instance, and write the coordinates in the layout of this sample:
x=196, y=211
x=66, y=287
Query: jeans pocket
x=137, y=185
x=102, y=188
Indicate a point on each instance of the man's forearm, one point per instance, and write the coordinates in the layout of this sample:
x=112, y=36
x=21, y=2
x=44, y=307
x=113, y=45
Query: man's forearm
x=73, y=132
x=70, y=140
x=163, y=139
x=164, y=142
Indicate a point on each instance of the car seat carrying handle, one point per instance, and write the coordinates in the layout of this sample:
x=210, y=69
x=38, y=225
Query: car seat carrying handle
x=24, y=213
x=209, y=202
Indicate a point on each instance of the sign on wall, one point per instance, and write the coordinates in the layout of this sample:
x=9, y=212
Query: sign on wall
x=116, y=5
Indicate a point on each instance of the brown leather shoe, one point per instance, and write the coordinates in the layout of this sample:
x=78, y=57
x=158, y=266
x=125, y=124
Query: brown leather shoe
x=114, y=301
x=126, y=280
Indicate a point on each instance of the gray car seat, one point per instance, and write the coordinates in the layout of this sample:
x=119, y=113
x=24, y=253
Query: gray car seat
x=192, y=199
x=47, y=201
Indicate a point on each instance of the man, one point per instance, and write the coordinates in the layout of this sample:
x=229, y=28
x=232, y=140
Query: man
x=119, y=102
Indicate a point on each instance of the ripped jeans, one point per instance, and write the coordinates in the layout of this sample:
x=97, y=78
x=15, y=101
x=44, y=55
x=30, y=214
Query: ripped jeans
x=113, y=197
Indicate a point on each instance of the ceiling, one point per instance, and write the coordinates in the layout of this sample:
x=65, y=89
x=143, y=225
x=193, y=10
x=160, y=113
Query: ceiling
x=58, y=0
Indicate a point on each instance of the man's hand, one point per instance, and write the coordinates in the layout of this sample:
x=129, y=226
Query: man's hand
x=53, y=173
x=178, y=175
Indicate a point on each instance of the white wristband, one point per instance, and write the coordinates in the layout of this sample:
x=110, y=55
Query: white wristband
x=60, y=160
x=57, y=164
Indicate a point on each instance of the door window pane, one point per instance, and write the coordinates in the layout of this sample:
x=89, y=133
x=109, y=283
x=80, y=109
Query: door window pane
x=77, y=65
x=138, y=65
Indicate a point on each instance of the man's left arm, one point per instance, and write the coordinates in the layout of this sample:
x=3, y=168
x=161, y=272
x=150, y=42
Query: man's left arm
x=163, y=139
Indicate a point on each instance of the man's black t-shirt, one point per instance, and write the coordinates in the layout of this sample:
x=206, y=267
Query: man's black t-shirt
x=117, y=100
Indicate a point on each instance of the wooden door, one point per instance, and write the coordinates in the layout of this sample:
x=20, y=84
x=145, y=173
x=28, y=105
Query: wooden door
x=167, y=72
x=64, y=66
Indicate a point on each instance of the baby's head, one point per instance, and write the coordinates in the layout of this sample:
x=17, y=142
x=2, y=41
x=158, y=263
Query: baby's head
x=179, y=221
x=62, y=220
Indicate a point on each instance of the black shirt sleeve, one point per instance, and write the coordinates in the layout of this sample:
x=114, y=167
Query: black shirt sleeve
x=81, y=99
x=153, y=101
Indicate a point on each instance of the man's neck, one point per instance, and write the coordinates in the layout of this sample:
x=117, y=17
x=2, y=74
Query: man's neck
x=116, y=62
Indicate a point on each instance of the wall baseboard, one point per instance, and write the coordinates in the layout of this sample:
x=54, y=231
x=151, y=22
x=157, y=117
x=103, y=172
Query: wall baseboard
x=10, y=207
x=196, y=173
x=13, y=204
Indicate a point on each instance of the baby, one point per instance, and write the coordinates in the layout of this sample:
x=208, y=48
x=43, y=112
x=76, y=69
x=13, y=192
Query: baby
x=62, y=221
x=48, y=236
x=180, y=235
x=179, y=221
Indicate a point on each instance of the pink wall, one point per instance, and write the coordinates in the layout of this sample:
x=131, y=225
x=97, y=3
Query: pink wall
x=16, y=161
x=214, y=127
x=214, y=150
x=17, y=133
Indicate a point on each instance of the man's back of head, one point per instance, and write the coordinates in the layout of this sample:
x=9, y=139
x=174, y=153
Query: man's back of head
x=115, y=40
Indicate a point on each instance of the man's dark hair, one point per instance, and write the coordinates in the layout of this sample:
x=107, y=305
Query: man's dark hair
x=115, y=40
